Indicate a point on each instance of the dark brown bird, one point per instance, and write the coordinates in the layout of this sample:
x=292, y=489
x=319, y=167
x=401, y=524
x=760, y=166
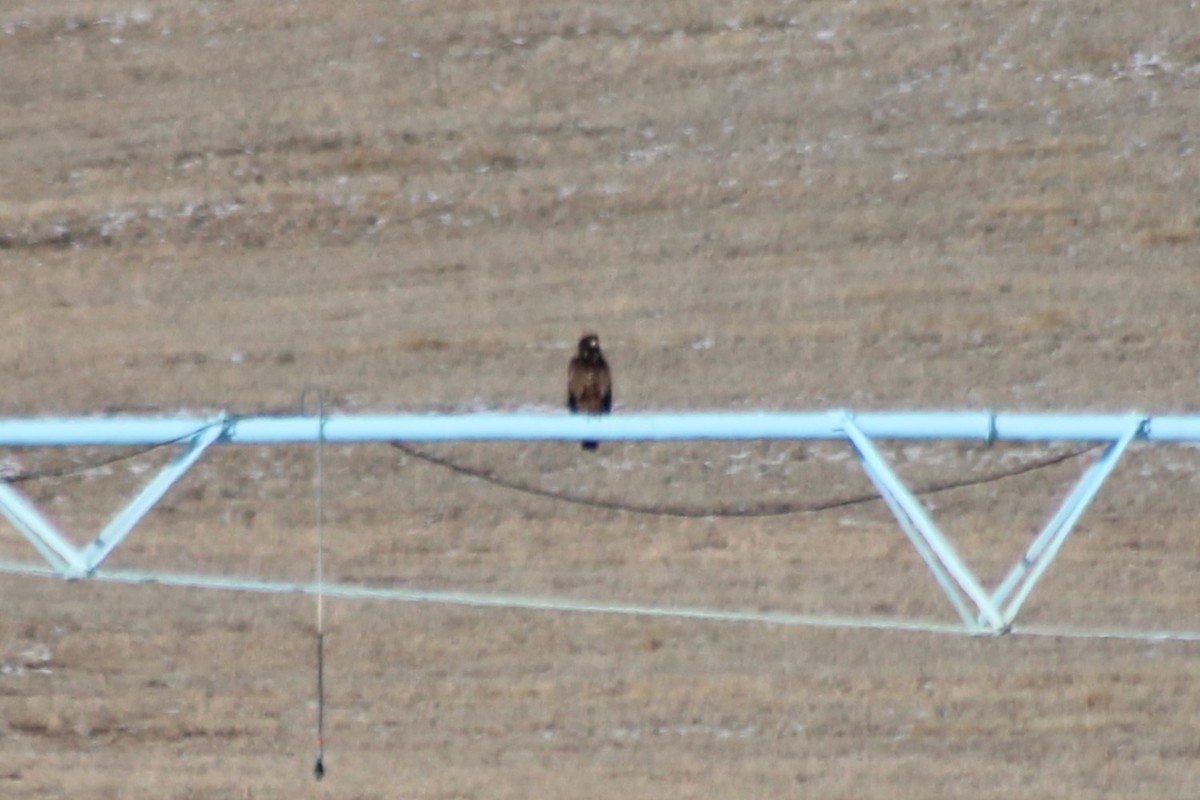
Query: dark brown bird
x=589, y=385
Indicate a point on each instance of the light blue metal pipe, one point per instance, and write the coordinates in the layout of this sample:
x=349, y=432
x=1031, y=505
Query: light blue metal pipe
x=544, y=426
x=521, y=426
x=1063, y=427
x=1172, y=429
x=96, y=431
x=526, y=426
x=923, y=424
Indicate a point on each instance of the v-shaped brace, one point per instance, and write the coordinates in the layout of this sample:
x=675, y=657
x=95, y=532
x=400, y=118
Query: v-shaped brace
x=75, y=562
x=993, y=612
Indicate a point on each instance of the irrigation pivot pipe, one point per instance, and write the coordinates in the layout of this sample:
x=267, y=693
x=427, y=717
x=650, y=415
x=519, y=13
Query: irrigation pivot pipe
x=982, y=611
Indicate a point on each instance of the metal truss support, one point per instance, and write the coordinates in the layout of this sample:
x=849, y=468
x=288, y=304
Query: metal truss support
x=73, y=562
x=1037, y=559
x=952, y=574
x=115, y=531
x=58, y=552
x=982, y=612
x=994, y=613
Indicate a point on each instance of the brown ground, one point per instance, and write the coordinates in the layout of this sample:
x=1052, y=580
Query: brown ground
x=878, y=204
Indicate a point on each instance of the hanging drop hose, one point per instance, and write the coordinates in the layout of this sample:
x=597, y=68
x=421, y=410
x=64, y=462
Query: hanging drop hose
x=319, y=766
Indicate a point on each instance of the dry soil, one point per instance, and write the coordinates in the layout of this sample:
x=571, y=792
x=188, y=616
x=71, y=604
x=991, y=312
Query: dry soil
x=420, y=206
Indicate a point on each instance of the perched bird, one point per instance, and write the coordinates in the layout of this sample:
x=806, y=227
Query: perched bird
x=589, y=385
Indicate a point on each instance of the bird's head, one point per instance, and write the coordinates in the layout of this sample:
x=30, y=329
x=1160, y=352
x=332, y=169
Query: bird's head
x=589, y=346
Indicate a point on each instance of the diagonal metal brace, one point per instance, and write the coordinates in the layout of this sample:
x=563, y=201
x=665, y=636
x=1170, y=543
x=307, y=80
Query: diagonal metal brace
x=952, y=574
x=1037, y=559
x=60, y=553
x=115, y=531
x=73, y=562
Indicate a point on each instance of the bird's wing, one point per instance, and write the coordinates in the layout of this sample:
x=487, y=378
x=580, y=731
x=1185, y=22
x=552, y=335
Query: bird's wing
x=573, y=387
x=604, y=384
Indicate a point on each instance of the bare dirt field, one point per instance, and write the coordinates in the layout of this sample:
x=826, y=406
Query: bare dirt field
x=422, y=205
